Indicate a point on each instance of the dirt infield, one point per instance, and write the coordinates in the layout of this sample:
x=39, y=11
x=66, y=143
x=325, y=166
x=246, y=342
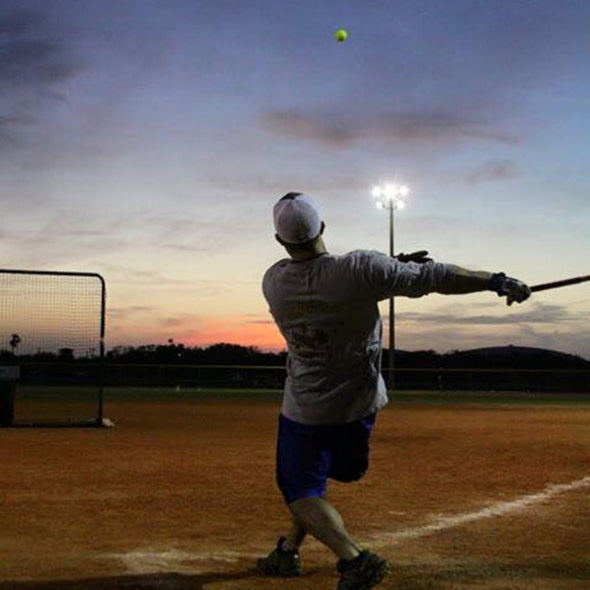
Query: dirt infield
x=181, y=495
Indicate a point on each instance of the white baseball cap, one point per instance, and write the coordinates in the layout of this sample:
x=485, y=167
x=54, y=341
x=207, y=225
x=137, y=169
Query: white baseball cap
x=296, y=218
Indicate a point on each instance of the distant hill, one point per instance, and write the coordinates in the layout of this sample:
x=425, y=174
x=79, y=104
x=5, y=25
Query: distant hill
x=513, y=357
x=503, y=368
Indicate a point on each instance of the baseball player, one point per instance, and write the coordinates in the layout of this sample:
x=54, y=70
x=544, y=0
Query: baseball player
x=325, y=307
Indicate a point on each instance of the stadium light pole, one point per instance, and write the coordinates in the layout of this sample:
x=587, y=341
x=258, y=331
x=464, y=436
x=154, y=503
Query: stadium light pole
x=390, y=197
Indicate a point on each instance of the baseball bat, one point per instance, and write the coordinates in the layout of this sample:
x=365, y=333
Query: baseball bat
x=556, y=284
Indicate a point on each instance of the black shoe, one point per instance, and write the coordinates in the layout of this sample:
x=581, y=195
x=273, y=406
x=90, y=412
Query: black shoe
x=280, y=563
x=363, y=572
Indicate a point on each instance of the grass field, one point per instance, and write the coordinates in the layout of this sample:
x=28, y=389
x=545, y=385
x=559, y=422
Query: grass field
x=465, y=490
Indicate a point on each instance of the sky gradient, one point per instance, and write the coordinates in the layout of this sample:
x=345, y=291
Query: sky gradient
x=148, y=140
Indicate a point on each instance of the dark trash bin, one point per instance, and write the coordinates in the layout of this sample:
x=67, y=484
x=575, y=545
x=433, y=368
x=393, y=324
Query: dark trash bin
x=9, y=377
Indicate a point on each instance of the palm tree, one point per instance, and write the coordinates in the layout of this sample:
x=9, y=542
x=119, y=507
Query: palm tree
x=14, y=342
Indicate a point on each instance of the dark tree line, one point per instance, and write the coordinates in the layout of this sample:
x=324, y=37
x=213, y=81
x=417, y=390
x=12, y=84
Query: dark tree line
x=505, y=357
x=179, y=354
x=509, y=357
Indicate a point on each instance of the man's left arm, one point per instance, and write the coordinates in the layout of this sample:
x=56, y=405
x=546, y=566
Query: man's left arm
x=414, y=275
x=468, y=281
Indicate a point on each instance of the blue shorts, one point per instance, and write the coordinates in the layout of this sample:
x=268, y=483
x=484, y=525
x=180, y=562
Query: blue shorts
x=308, y=455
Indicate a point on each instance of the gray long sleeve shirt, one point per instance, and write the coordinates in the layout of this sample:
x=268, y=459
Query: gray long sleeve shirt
x=326, y=309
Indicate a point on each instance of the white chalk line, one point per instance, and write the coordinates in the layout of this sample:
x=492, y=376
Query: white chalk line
x=498, y=509
x=150, y=561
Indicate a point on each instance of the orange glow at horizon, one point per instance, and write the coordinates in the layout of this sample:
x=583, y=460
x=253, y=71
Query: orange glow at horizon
x=263, y=335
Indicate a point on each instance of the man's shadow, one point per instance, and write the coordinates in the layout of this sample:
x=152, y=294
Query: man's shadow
x=163, y=581
x=405, y=577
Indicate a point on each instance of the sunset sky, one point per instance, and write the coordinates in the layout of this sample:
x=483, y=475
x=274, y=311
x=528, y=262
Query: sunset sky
x=148, y=140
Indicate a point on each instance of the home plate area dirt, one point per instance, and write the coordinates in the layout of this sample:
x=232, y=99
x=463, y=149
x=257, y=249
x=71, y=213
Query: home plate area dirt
x=180, y=495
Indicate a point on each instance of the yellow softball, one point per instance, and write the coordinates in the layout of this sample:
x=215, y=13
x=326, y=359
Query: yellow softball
x=341, y=35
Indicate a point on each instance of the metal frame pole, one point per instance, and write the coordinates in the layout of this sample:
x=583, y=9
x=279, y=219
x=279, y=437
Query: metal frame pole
x=391, y=308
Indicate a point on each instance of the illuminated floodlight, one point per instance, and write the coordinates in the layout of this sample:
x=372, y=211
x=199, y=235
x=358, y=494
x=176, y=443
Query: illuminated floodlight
x=390, y=196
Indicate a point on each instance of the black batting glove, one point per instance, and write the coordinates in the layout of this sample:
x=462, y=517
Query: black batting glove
x=420, y=256
x=513, y=289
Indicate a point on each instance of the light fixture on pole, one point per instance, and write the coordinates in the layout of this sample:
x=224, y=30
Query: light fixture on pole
x=390, y=197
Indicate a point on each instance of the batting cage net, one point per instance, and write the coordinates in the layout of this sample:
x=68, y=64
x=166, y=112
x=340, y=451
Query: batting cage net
x=52, y=327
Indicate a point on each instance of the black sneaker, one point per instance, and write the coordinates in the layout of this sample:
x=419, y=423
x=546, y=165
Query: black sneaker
x=362, y=572
x=280, y=563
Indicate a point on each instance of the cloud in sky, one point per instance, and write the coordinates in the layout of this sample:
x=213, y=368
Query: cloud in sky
x=28, y=60
x=341, y=130
x=539, y=313
x=478, y=321
x=77, y=234
x=491, y=171
x=34, y=60
x=126, y=312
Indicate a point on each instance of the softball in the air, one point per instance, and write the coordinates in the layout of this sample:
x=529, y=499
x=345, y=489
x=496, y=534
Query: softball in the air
x=341, y=35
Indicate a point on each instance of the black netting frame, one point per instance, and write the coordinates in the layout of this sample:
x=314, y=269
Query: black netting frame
x=50, y=319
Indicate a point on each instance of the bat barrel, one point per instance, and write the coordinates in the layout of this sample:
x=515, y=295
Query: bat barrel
x=563, y=283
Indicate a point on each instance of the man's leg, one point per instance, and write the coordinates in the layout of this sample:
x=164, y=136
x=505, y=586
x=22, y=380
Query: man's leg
x=357, y=568
x=318, y=517
x=323, y=521
x=284, y=560
x=295, y=537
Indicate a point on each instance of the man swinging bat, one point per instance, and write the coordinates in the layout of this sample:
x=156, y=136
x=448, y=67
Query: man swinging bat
x=326, y=308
